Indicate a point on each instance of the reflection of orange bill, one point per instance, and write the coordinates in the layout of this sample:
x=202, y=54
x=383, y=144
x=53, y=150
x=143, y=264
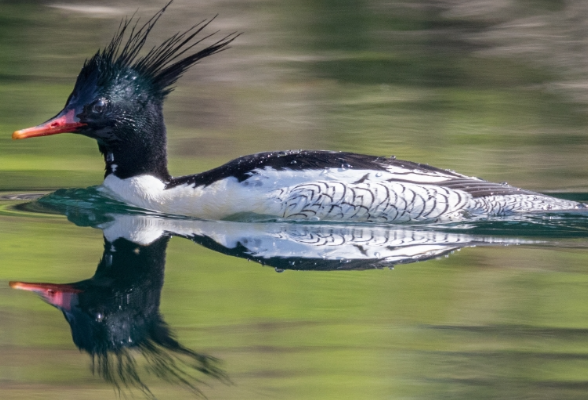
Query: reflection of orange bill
x=59, y=295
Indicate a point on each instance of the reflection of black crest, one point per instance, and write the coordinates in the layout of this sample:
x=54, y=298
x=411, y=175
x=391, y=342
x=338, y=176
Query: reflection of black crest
x=166, y=359
x=118, y=313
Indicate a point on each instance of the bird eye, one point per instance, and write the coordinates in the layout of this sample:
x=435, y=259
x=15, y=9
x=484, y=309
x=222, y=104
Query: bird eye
x=99, y=106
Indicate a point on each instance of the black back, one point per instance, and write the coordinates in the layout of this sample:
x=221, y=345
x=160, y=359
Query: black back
x=297, y=160
x=243, y=168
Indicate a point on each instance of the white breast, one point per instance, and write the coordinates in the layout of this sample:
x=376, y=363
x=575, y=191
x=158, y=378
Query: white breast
x=216, y=201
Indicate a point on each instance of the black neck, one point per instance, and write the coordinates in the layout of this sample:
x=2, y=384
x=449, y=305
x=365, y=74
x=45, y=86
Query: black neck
x=141, y=152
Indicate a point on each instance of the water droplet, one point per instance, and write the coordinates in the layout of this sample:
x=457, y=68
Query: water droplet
x=293, y=162
x=377, y=255
x=99, y=317
x=314, y=218
x=378, y=174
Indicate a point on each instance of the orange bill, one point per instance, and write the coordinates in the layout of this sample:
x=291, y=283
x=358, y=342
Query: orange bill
x=63, y=122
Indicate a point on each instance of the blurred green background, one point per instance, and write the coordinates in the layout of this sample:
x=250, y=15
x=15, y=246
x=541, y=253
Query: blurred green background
x=491, y=89
x=496, y=89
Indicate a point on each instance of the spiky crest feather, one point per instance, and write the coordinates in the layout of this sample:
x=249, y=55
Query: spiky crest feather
x=162, y=66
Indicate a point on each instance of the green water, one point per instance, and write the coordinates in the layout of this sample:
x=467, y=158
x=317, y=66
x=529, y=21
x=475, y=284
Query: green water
x=494, y=90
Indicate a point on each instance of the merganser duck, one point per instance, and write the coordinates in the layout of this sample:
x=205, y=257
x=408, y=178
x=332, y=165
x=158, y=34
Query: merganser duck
x=118, y=100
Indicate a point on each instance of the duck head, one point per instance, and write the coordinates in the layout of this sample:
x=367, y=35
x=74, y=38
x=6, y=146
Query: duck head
x=118, y=97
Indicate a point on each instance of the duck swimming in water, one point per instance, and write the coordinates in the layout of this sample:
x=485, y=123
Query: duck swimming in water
x=118, y=101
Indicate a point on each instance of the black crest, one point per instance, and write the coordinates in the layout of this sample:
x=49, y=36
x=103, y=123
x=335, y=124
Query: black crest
x=162, y=66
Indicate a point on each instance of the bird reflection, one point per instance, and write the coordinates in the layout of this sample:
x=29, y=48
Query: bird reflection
x=115, y=314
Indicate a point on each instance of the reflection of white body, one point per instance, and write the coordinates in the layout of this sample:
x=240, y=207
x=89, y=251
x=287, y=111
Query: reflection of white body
x=346, y=243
